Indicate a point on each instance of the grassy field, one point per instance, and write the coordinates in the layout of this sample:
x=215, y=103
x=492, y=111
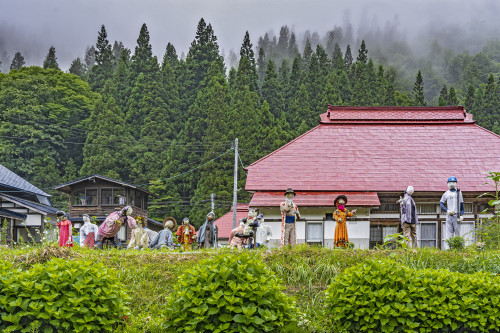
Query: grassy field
x=148, y=276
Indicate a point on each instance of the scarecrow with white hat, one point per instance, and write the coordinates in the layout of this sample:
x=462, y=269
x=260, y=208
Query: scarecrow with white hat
x=289, y=215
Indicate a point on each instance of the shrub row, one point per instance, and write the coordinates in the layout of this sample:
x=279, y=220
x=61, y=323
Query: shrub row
x=382, y=296
x=61, y=296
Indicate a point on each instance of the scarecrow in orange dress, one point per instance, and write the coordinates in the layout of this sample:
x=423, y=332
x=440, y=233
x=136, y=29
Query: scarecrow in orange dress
x=340, y=216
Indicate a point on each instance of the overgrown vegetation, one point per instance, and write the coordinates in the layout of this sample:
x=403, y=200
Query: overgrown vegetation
x=61, y=295
x=384, y=296
x=229, y=293
x=149, y=277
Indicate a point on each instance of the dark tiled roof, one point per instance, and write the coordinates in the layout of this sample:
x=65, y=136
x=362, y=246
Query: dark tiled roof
x=63, y=187
x=30, y=204
x=10, y=214
x=10, y=179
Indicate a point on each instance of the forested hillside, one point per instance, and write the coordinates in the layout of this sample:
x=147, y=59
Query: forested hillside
x=169, y=124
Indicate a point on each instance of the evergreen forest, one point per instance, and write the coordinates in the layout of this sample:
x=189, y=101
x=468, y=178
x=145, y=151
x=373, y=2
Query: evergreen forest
x=169, y=124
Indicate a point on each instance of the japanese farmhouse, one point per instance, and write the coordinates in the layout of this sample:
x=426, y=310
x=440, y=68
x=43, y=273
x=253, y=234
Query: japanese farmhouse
x=371, y=154
x=99, y=196
x=25, y=210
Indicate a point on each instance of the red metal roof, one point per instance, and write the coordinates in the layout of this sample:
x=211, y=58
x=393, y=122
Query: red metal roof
x=318, y=199
x=383, y=157
x=225, y=223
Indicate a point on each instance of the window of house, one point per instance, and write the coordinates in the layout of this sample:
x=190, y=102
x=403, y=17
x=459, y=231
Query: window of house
x=314, y=232
x=388, y=208
x=468, y=208
x=119, y=197
x=329, y=217
x=428, y=234
x=106, y=196
x=28, y=234
x=132, y=197
x=139, y=199
x=426, y=209
x=85, y=197
x=378, y=232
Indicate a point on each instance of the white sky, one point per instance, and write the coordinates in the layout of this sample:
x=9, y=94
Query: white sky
x=32, y=26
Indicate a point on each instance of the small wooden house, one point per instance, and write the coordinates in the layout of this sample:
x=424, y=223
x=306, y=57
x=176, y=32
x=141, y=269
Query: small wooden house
x=99, y=196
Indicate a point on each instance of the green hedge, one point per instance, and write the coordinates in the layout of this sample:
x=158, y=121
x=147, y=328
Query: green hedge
x=229, y=293
x=382, y=296
x=61, y=296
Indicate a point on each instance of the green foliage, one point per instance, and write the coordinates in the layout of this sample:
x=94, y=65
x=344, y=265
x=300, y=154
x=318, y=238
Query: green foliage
x=228, y=293
x=382, y=296
x=60, y=295
x=456, y=243
x=50, y=61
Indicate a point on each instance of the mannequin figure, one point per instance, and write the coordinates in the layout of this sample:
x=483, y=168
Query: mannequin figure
x=64, y=225
x=206, y=234
x=289, y=215
x=165, y=238
x=139, y=239
x=88, y=232
x=186, y=235
x=454, y=208
x=340, y=216
x=409, y=216
x=237, y=242
x=112, y=224
x=264, y=232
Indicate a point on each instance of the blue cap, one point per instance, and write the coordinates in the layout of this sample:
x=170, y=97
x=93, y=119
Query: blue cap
x=452, y=179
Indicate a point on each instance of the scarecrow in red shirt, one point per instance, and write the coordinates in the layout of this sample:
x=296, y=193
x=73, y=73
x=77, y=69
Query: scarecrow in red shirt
x=65, y=228
x=340, y=215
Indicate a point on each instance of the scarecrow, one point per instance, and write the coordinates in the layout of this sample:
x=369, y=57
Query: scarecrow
x=206, y=235
x=112, y=224
x=64, y=225
x=234, y=239
x=340, y=216
x=454, y=208
x=186, y=235
x=88, y=232
x=409, y=218
x=264, y=232
x=289, y=215
x=165, y=238
x=139, y=238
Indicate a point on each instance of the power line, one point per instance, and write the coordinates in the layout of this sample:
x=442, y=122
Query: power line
x=196, y=168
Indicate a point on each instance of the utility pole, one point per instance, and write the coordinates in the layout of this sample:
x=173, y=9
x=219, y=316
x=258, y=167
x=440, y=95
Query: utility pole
x=213, y=203
x=235, y=189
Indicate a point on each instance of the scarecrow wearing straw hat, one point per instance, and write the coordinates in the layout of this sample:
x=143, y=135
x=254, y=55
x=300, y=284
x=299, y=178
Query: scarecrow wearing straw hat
x=165, y=238
x=340, y=216
x=289, y=214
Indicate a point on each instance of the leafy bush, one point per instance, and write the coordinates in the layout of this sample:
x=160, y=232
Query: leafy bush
x=456, y=243
x=380, y=296
x=228, y=293
x=61, y=296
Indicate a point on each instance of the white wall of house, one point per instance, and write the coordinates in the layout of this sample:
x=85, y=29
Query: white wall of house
x=359, y=226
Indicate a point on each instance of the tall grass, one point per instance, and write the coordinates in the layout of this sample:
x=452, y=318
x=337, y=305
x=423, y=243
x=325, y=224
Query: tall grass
x=148, y=276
